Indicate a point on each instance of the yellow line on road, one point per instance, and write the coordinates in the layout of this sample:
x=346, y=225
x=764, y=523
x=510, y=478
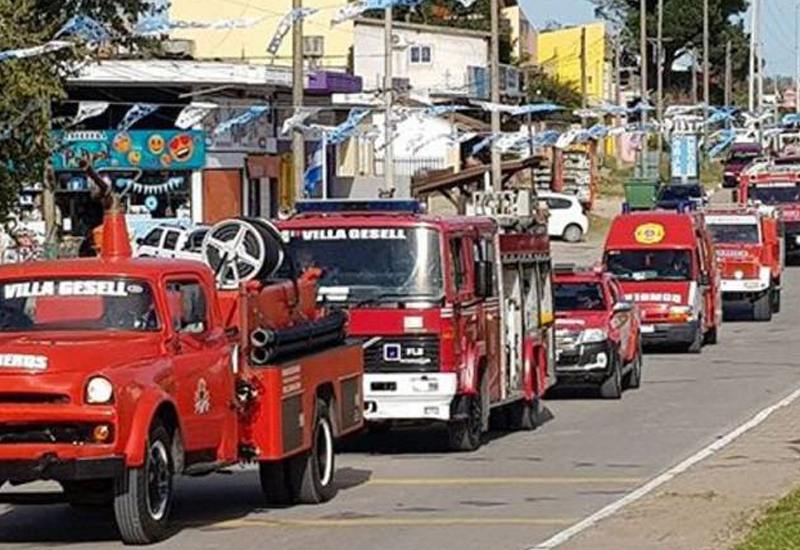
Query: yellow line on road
x=391, y=522
x=422, y=481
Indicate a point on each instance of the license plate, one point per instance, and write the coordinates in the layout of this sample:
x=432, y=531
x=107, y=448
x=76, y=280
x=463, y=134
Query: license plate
x=648, y=329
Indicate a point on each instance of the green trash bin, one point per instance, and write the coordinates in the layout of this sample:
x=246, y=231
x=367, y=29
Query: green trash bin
x=640, y=193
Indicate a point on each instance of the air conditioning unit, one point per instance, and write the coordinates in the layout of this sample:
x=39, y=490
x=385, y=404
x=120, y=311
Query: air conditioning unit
x=314, y=46
x=178, y=47
x=399, y=42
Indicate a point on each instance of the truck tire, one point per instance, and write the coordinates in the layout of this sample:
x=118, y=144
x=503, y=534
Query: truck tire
x=776, y=300
x=312, y=473
x=697, y=344
x=275, y=485
x=762, y=309
x=612, y=387
x=467, y=435
x=525, y=415
x=143, y=499
x=573, y=233
x=633, y=380
x=712, y=337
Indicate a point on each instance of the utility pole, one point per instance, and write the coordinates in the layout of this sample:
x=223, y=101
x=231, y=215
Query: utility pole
x=706, y=73
x=660, y=72
x=751, y=95
x=494, y=62
x=728, y=75
x=584, y=76
x=759, y=60
x=797, y=57
x=694, y=75
x=388, y=96
x=643, y=63
x=298, y=140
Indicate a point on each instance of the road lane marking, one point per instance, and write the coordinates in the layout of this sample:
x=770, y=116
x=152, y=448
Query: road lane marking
x=424, y=481
x=391, y=522
x=590, y=521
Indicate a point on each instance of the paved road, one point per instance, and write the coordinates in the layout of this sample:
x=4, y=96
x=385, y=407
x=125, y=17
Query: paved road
x=406, y=493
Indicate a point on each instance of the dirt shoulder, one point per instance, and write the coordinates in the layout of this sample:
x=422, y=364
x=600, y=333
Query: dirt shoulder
x=713, y=504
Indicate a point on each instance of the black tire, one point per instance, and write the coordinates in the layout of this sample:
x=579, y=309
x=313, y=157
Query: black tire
x=762, y=309
x=275, y=484
x=776, y=300
x=633, y=380
x=573, y=233
x=143, y=498
x=697, y=344
x=467, y=435
x=525, y=415
x=312, y=474
x=612, y=387
x=712, y=337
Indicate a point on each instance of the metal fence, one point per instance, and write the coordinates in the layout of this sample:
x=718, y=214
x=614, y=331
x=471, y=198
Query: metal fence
x=408, y=167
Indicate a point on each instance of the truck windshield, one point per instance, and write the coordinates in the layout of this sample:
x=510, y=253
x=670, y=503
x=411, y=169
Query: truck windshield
x=775, y=194
x=735, y=233
x=376, y=264
x=650, y=265
x=579, y=297
x=76, y=305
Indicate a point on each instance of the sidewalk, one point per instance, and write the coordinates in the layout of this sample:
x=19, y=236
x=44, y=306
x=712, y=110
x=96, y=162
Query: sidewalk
x=712, y=504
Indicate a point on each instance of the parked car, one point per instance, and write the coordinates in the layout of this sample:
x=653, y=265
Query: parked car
x=674, y=195
x=172, y=241
x=598, y=338
x=567, y=220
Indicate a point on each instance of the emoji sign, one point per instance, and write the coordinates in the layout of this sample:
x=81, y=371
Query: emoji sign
x=181, y=147
x=156, y=144
x=649, y=233
x=122, y=143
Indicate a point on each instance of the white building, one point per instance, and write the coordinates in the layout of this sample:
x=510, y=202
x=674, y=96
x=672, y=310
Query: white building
x=442, y=61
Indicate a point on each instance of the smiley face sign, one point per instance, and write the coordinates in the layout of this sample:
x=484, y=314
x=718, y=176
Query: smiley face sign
x=649, y=233
x=181, y=147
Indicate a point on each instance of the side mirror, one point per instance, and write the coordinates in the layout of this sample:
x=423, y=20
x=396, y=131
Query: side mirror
x=140, y=241
x=623, y=307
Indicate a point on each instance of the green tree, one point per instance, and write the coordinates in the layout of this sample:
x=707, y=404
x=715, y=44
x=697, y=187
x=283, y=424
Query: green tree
x=29, y=86
x=543, y=87
x=683, y=28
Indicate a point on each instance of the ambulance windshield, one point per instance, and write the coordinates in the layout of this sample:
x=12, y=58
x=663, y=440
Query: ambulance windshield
x=76, y=305
x=775, y=194
x=371, y=264
x=650, y=265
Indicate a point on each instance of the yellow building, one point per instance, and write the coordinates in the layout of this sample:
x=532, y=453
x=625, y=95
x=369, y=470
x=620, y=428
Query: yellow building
x=329, y=45
x=523, y=35
x=559, y=54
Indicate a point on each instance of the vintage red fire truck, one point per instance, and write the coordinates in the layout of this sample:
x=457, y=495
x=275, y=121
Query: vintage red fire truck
x=750, y=254
x=456, y=312
x=598, y=332
x=665, y=262
x=117, y=374
x=776, y=184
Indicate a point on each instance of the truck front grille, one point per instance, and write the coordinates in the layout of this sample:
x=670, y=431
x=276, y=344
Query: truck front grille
x=11, y=434
x=403, y=354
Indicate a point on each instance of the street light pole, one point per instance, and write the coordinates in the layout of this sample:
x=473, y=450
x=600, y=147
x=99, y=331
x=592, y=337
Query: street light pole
x=298, y=140
x=644, y=102
x=388, y=96
x=494, y=62
x=706, y=73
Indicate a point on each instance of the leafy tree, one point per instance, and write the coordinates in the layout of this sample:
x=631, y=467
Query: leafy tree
x=30, y=85
x=543, y=87
x=683, y=28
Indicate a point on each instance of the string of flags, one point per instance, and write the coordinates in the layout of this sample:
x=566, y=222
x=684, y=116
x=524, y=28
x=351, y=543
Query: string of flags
x=193, y=114
x=245, y=119
x=88, y=110
x=154, y=26
x=135, y=114
x=287, y=22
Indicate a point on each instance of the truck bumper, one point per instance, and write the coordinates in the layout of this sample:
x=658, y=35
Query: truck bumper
x=669, y=333
x=50, y=467
x=586, y=364
x=409, y=396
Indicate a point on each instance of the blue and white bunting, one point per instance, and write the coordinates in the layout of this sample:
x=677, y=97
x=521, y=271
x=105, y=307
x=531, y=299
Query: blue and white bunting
x=86, y=28
x=35, y=51
x=314, y=173
x=287, y=22
x=193, y=114
x=135, y=114
x=155, y=26
x=349, y=126
x=354, y=9
x=298, y=120
x=245, y=119
x=89, y=109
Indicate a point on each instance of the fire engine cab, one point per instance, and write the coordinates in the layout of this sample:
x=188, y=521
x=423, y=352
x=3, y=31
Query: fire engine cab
x=749, y=251
x=665, y=262
x=117, y=374
x=775, y=184
x=456, y=312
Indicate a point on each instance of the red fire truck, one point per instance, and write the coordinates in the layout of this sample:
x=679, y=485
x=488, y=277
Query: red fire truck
x=117, y=374
x=456, y=312
x=777, y=184
x=750, y=255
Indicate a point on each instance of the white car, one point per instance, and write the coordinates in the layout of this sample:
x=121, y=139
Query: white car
x=173, y=241
x=567, y=218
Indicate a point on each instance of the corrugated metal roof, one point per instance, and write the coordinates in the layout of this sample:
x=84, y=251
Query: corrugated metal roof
x=181, y=72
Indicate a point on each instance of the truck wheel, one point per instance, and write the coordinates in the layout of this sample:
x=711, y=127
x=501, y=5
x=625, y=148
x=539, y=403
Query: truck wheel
x=712, y=337
x=466, y=435
x=525, y=415
x=612, y=387
x=762, y=309
x=634, y=378
x=312, y=473
x=573, y=233
x=274, y=478
x=144, y=496
x=697, y=344
x=776, y=300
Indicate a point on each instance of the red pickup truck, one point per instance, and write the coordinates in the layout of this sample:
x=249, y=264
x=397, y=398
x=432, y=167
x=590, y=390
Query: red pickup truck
x=598, y=334
x=117, y=374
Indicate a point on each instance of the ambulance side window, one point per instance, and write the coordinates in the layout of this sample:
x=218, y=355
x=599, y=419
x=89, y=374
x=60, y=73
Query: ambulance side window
x=457, y=263
x=187, y=306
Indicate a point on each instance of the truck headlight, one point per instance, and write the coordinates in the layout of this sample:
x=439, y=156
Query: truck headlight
x=681, y=313
x=738, y=274
x=99, y=391
x=593, y=335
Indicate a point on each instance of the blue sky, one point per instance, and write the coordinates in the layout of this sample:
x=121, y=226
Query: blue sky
x=778, y=24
